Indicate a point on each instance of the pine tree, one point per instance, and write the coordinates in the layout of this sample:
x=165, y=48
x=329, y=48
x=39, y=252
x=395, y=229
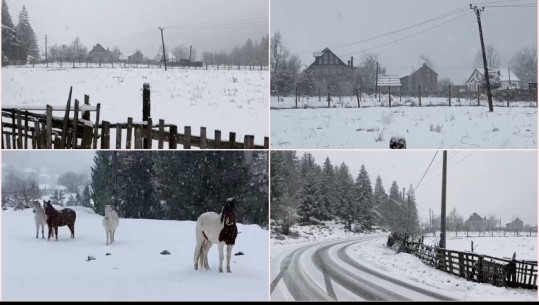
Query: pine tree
x=103, y=181
x=328, y=188
x=363, y=199
x=413, y=217
x=309, y=198
x=9, y=44
x=86, y=197
x=307, y=83
x=344, y=204
x=381, y=203
x=26, y=37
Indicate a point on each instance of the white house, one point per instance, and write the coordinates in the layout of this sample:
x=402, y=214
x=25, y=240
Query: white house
x=507, y=78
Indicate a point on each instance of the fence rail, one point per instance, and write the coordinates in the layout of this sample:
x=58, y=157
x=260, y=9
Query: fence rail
x=22, y=129
x=499, y=272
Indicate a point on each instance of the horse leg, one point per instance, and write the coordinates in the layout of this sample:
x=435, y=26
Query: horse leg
x=228, y=257
x=107, y=236
x=221, y=256
x=50, y=232
x=37, y=230
x=206, y=251
x=72, y=229
x=197, y=252
x=112, y=235
x=56, y=232
x=43, y=231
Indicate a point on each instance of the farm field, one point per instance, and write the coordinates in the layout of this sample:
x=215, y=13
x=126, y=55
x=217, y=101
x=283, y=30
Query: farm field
x=460, y=126
x=225, y=100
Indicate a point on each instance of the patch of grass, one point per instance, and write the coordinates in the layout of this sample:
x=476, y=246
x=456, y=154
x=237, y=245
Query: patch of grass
x=437, y=128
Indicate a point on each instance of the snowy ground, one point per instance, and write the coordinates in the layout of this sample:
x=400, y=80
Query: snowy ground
x=37, y=269
x=226, y=100
x=523, y=245
x=372, y=252
x=346, y=126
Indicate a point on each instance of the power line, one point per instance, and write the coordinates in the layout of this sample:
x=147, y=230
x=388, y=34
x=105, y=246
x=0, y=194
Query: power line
x=415, y=34
x=456, y=11
x=426, y=171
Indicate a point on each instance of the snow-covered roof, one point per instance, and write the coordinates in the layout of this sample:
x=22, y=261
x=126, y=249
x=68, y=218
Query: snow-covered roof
x=506, y=75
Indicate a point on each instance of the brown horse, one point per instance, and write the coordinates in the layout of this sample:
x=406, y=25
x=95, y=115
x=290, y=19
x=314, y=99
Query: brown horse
x=55, y=219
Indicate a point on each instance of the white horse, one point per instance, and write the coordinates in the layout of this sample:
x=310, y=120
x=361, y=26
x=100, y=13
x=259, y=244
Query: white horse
x=40, y=218
x=216, y=228
x=110, y=222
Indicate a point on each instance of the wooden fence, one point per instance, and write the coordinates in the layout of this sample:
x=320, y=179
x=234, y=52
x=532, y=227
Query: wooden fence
x=22, y=129
x=499, y=272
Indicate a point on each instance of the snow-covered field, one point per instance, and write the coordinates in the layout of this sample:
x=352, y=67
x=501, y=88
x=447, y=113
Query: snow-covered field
x=523, y=245
x=346, y=126
x=226, y=100
x=374, y=253
x=37, y=269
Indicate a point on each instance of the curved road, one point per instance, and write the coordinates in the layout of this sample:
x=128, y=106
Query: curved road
x=325, y=272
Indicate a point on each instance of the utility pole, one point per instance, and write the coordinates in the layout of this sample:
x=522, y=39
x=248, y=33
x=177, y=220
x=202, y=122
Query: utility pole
x=46, y=57
x=376, y=87
x=489, y=94
x=442, y=217
x=190, y=49
x=164, y=54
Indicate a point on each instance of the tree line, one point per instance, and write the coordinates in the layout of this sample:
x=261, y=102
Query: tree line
x=303, y=191
x=168, y=185
x=19, y=44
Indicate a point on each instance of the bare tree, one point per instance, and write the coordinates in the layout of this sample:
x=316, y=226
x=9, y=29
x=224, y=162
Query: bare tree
x=443, y=83
x=492, y=58
x=71, y=181
x=279, y=53
x=293, y=65
x=367, y=70
x=524, y=64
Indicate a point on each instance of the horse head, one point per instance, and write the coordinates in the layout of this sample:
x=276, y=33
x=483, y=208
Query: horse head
x=228, y=215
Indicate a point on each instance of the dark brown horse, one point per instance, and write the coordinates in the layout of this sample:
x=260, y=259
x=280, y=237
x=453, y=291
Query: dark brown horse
x=55, y=219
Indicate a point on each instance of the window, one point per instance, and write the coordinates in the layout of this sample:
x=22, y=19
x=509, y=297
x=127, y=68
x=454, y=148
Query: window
x=326, y=59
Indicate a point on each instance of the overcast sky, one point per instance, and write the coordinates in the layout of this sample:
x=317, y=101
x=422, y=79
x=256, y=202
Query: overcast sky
x=209, y=25
x=501, y=183
x=309, y=26
x=48, y=164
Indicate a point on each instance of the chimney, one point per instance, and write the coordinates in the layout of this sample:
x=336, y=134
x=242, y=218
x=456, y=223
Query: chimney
x=352, y=61
x=349, y=63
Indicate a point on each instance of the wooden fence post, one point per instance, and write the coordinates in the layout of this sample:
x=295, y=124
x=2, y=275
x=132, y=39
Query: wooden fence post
x=266, y=142
x=173, y=139
x=419, y=94
x=203, y=140
x=478, y=96
x=162, y=132
x=449, y=95
x=87, y=136
x=86, y=114
x=148, y=137
x=129, y=133
x=248, y=142
x=49, y=128
x=187, y=137
x=105, y=135
x=329, y=99
x=25, y=129
x=19, y=129
x=118, y=136
x=146, y=107
x=357, y=95
x=217, y=139
x=96, y=128
x=232, y=140
x=389, y=94
x=480, y=268
x=296, y=97
x=75, y=125
x=66, y=120
x=138, y=136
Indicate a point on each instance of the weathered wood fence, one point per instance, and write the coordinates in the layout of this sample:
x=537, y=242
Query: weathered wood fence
x=499, y=272
x=22, y=129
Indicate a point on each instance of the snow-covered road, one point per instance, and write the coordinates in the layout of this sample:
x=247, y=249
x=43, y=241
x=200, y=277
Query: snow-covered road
x=326, y=271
